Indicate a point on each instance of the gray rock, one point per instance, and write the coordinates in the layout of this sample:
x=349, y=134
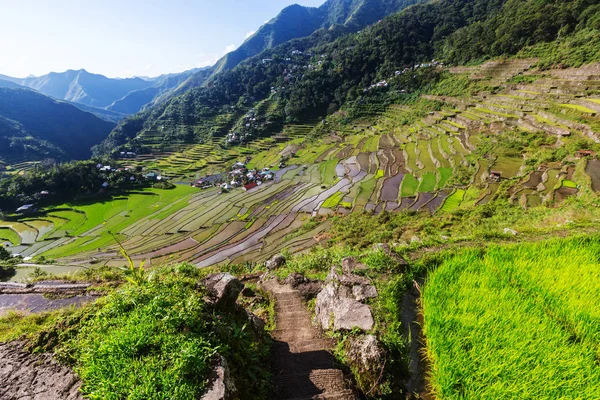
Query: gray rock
x=363, y=292
x=334, y=310
x=367, y=359
x=366, y=351
x=509, y=231
x=308, y=288
x=350, y=264
x=223, y=289
x=222, y=387
x=257, y=323
x=355, y=286
x=277, y=261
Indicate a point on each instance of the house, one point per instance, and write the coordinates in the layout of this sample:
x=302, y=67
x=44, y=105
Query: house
x=152, y=176
x=267, y=60
x=26, y=209
x=495, y=176
x=249, y=186
x=44, y=193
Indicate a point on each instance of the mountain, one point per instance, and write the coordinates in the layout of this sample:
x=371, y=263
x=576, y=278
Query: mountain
x=34, y=126
x=82, y=87
x=337, y=69
x=138, y=99
x=119, y=97
x=297, y=21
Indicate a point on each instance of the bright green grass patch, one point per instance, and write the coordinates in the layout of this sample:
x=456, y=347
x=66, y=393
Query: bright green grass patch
x=445, y=175
x=517, y=321
x=453, y=201
x=569, y=184
x=327, y=170
x=334, y=200
x=7, y=234
x=579, y=108
x=371, y=144
x=158, y=339
x=365, y=190
x=409, y=186
x=73, y=219
x=346, y=204
x=428, y=182
x=380, y=173
x=16, y=324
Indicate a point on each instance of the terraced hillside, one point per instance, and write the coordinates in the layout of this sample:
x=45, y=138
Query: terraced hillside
x=529, y=136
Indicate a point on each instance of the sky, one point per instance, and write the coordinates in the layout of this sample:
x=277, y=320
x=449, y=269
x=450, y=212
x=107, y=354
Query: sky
x=124, y=38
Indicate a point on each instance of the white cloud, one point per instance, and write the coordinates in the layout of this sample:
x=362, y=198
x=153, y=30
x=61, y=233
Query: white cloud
x=206, y=60
x=249, y=34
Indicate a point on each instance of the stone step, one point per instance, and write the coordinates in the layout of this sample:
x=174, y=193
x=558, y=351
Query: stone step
x=317, y=384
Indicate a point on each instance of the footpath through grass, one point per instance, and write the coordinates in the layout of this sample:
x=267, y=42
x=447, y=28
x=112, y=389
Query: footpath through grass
x=519, y=321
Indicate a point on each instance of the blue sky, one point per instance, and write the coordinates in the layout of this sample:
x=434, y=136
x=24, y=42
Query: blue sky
x=122, y=38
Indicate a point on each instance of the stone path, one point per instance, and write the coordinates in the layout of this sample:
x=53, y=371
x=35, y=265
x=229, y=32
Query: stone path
x=303, y=366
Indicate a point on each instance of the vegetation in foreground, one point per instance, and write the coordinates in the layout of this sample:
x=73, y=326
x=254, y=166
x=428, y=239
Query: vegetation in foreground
x=154, y=337
x=517, y=321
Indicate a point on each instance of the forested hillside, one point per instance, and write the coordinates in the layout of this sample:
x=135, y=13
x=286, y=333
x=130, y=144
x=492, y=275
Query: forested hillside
x=325, y=71
x=34, y=127
x=296, y=22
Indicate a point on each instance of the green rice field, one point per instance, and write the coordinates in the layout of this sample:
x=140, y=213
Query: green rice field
x=516, y=322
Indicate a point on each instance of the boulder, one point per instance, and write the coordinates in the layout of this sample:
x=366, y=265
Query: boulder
x=366, y=352
x=308, y=288
x=222, y=385
x=223, y=289
x=352, y=286
x=350, y=264
x=335, y=310
x=277, y=261
x=509, y=231
x=367, y=359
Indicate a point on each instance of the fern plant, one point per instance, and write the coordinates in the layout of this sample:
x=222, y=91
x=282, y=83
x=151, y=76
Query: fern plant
x=134, y=275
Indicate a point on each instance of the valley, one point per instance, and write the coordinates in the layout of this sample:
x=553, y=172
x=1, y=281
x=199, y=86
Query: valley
x=374, y=199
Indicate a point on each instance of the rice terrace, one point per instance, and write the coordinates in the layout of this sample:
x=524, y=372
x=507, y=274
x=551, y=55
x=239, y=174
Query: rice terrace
x=401, y=200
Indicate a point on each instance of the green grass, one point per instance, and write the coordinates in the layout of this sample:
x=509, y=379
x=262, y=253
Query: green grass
x=115, y=216
x=453, y=201
x=445, y=175
x=7, y=234
x=409, y=186
x=380, y=173
x=327, y=170
x=576, y=107
x=333, y=200
x=569, y=184
x=365, y=190
x=428, y=182
x=17, y=324
x=158, y=339
x=517, y=321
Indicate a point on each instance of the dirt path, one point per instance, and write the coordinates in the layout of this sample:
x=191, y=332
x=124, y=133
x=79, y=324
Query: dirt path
x=24, y=376
x=303, y=366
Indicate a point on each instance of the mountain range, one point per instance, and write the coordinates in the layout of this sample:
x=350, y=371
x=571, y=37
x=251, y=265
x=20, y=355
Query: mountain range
x=34, y=126
x=109, y=98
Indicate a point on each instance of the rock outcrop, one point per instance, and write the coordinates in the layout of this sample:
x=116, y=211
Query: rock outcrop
x=223, y=289
x=27, y=376
x=308, y=288
x=277, y=261
x=222, y=385
x=339, y=306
